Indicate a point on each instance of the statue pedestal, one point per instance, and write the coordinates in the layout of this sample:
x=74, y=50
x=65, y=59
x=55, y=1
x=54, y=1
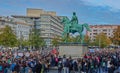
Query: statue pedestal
x=72, y=49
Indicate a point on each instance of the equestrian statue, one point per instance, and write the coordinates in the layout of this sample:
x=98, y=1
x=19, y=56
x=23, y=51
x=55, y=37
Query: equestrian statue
x=72, y=26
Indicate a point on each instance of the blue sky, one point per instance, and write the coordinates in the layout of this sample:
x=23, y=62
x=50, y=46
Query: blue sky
x=88, y=11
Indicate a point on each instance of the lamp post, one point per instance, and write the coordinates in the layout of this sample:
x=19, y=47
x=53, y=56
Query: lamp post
x=20, y=39
x=99, y=39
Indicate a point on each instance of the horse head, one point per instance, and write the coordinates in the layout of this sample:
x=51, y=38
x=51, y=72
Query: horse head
x=65, y=20
x=86, y=26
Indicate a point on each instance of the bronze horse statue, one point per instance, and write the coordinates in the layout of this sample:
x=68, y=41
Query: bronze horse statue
x=73, y=28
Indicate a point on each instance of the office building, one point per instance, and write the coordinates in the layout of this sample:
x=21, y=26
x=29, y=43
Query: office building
x=46, y=22
x=37, y=12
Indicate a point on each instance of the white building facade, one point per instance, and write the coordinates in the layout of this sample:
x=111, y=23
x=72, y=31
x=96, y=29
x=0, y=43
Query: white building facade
x=19, y=27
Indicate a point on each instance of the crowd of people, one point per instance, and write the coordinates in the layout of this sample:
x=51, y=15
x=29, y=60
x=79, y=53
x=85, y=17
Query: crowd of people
x=12, y=61
x=102, y=61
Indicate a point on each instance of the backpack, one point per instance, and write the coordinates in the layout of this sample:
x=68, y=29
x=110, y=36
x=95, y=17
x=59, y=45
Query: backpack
x=1, y=68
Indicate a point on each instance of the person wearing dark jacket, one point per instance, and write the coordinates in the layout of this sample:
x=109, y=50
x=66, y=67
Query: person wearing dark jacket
x=38, y=67
x=17, y=68
x=66, y=66
x=112, y=68
x=60, y=66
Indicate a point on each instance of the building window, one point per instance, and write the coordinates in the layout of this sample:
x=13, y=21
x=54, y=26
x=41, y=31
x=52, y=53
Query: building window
x=95, y=30
x=90, y=33
x=104, y=30
x=95, y=33
x=105, y=33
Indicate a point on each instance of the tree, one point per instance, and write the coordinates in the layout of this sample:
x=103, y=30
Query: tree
x=76, y=39
x=116, y=37
x=56, y=40
x=7, y=37
x=35, y=40
x=91, y=43
x=102, y=40
x=25, y=43
x=68, y=39
x=87, y=39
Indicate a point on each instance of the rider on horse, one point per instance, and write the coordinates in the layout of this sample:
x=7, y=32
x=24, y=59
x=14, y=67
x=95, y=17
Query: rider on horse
x=74, y=19
x=72, y=26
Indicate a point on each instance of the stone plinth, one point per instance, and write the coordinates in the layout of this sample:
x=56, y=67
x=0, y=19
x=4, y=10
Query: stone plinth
x=72, y=49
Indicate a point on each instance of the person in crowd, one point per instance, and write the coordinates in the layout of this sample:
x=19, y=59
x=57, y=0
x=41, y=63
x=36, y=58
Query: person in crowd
x=1, y=67
x=84, y=65
x=60, y=66
x=66, y=66
x=91, y=66
x=38, y=67
x=75, y=65
x=71, y=64
x=79, y=65
x=46, y=64
x=17, y=68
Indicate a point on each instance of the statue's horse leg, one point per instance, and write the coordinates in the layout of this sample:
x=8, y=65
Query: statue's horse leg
x=82, y=38
x=80, y=30
x=65, y=34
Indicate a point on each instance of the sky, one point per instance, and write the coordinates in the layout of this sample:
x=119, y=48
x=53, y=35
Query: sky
x=88, y=11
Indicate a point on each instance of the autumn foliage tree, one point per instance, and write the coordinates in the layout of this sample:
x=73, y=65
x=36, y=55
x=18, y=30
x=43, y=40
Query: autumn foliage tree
x=116, y=37
x=56, y=40
x=87, y=39
x=8, y=37
x=102, y=40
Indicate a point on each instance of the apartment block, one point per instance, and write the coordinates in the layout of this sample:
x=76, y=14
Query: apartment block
x=96, y=29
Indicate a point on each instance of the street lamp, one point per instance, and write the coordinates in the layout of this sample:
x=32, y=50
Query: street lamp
x=99, y=39
x=20, y=39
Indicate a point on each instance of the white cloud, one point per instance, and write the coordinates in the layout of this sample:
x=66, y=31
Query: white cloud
x=113, y=4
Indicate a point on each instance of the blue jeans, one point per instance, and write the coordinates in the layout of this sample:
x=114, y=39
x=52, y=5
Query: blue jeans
x=91, y=70
x=103, y=69
x=5, y=70
x=26, y=69
x=22, y=70
x=66, y=70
